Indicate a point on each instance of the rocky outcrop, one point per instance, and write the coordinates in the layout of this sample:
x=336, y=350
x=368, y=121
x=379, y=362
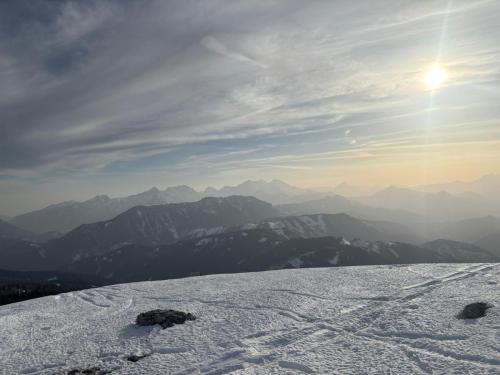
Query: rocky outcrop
x=136, y=357
x=165, y=318
x=474, y=310
x=88, y=371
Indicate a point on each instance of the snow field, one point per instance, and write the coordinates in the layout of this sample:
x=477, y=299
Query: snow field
x=349, y=320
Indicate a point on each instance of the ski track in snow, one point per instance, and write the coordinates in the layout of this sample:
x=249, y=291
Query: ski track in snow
x=351, y=320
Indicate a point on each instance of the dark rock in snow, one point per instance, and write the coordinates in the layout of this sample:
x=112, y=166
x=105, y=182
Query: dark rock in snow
x=88, y=371
x=474, y=310
x=165, y=318
x=136, y=357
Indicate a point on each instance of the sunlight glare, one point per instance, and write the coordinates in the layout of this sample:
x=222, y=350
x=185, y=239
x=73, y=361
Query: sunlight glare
x=435, y=77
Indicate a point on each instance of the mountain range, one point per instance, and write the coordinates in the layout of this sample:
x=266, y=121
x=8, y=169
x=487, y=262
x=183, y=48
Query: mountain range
x=8, y=230
x=140, y=237
x=264, y=249
x=159, y=224
x=311, y=226
x=440, y=206
x=217, y=235
x=486, y=186
x=420, y=206
x=65, y=216
x=145, y=225
x=334, y=204
x=490, y=242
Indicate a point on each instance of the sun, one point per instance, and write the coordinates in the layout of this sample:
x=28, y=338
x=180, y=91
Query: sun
x=435, y=77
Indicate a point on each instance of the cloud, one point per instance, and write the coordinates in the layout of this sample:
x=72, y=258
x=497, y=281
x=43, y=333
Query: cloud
x=216, y=46
x=98, y=87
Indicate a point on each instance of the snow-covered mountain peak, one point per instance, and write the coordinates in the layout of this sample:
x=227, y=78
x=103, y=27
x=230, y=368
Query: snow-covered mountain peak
x=99, y=199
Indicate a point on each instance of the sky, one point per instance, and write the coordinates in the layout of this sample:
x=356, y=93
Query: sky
x=118, y=96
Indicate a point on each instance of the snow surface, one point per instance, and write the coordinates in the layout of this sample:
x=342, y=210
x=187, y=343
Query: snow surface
x=351, y=320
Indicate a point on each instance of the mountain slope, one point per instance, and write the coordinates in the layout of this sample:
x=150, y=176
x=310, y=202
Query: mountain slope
x=66, y=216
x=160, y=224
x=24, y=255
x=309, y=226
x=176, y=241
x=490, y=242
x=469, y=230
x=274, y=191
x=259, y=249
x=8, y=230
x=487, y=186
x=440, y=206
x=352, y=320
x=19, y=286
x=334, y=204
x=166, y=224
x=465, y=251
x=223, y=253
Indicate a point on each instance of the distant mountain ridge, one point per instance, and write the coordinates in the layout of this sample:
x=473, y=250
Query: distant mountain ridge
x=217, y=235
x=334, y=204
x=406, y=226
x=308, y=226
x=259, y=250
x=466, y=252
x=8, y=230
x=434, y=206
x=165, y=224
x=487, y=186
x=66, y=216
x=146, y=225
x=468, y=230
x=402, y=205
x=490, y=242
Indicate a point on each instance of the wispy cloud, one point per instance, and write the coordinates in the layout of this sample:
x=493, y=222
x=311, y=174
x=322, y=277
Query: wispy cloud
x=216, y=46
x=95, y=88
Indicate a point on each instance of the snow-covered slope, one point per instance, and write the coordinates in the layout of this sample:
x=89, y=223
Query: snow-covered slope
x=160, y=224
x=352, y=320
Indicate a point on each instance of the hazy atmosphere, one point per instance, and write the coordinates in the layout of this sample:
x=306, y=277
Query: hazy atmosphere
x=115, y=97
x=248, y=187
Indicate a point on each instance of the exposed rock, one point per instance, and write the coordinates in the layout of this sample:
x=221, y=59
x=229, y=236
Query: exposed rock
x=165, y=318
x=136, y=357
x=88, y=371
x=474, y=310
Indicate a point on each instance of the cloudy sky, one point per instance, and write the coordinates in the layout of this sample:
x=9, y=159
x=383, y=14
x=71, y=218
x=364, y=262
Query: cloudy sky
x=118, y=96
